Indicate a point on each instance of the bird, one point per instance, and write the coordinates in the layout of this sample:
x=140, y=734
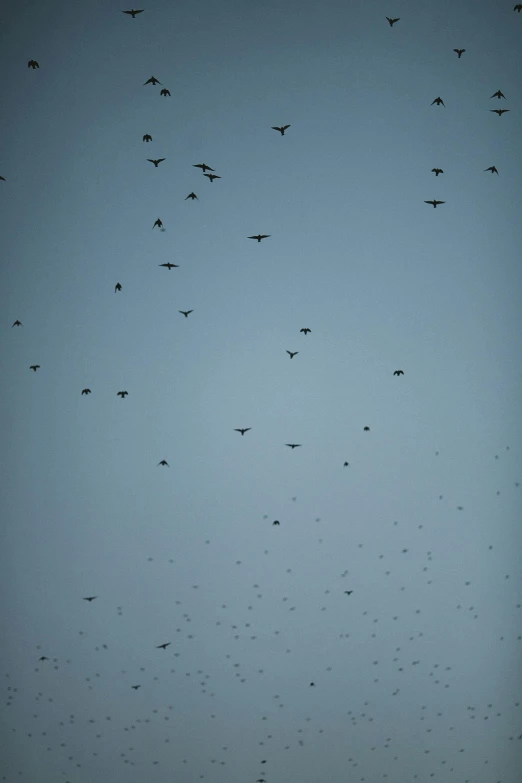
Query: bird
x=169, y=265
x=17, y=323
x=242, y=430
x=438, y=101
x=437, y=172
x=280, y=129
x=152, y=80
x=259, y=237
x=163, y=462
x=147, y=137
x=399, y=372
x=434, y=202
x=117, y=287
x=212, y=177
x=135, y=687
x=122, y=394
x=203, y=167
x=498, y=94
x=275, y=522
x=348, y=592
x=133, y=12
x=493, y=169
x=392, y=21
x=34, y=367
x=192, y=196
x=86, y=391
x=292, y=445
x=33, y=64
x=163, y=646
x=185, y=312
x=292, y=353
x=345, y=464
x=366, y=429
x=164, y=92
x=3, y=179
x=312, y=685
x=158, y=223
x=90, y=598
x=305, y=330
x=460, y=52
x=518, y=7
x=500, y=112
x=43, y=658
x=156, y=162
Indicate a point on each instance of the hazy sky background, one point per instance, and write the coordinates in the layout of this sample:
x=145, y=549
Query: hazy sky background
x=417, y=672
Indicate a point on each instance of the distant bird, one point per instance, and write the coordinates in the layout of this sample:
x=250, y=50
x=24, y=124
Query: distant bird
x=460, y=52
x=292, y=445
x=133, y=13
x=163, y=646
x=203, y=167
x=147, y=137
x=518, y=7
x=163, y=462
x=242, y=430
x=33, y=64
x=392, y=21
x=275, y=522
x=43, y=658
x=157, y=161
x=348, y=592
x=90, y=598
x=498, y=94
x=164, y=92
x=366, y=429
x=500, y=112
x=345, y=464
x=135, y=687
x=34, y=367
x=280, y=129
x=169, y=265
x=17, y=323
x=312, y=685
x=158, y=223
x=399, y=372
x=437, y=172
x=185, y=312
x=3, y=179
x=192, y=196
x=292, y=353
x=152, y=80
x=122, y=394
x=493, y=169
x=86, y=391
x=438, y=101
x=212, y=177
x=259, y=237
x=305, y=330
x=434, y=202
x=117, y=287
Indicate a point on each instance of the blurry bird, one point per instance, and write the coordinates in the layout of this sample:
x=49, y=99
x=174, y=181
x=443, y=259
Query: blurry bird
x=438, y=101
x=437, y=172
x=493, y=169
x=185, y=312
x=122, y=394
x=242, y=430
x=312, y=685
x=305, y=330
x=43, y=658
x=434, y=202
x=158, y=223
x=163, y=462
x=157, y=161
x=392, y=21
x=292, y=354
x=498, y=94
x=212, y=177
x=500, y=112
x=460, y=52
x=135, y=687
x=86, y=391
x=203, y=167
x=3, y=179
x=366, y=429
x=133, y=13
x=292, y=445
x=346, y=464
x=163, y=646
x=90, y=598
x=33, y=64
x=280, y=129
x=17, y=323
x=164, y=92
x=275, y=522
x=518, y=7
x=259, y=237
x=169, y=265
x=152, y=80
x=192, y=196
x=34, y=367
x=399, y=372
x=147, y=137
x=117, y=287
x=348, y=592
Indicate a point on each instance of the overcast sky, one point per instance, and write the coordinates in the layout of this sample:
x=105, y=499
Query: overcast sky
x=375, y=632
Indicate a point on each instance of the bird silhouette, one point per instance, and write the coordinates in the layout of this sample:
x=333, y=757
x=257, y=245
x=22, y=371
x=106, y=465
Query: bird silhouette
x=158, y=223
x=34, y=367
x=348, y=592
x=434, y=202
x=203, y=167
x=163, y=462
x=437, y=172
x=86, y=391
x=460, y=52
x=259, y=237
x=345, y=464
x=135, y=687
x=211, y=177
x=398, y=372
x=17, y=323
x=163, y=646
x=152, y=80
x=392, y=21
x=275, y=522
x=292, y=354
x=500, y=112
x=43, y=658
x=439, y=102
x=156, y=162
x=185, y=312
x=281, y=129
x=493, y=169
x=117, y=287
x=191, y=196
x=90, y=598
x=312, y=685
x=305, y=330
x=147, y=137
x=293, y=445
x=133, y=12
x=498, y=94
x=518, y=7
x=366, y=429
x=169, y=265
x=3, y=179
x=122, y=394
x=33, y=64
x=242, y=430
x=165, y=92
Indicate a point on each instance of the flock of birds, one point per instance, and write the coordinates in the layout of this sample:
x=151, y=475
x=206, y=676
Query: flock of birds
x=210, y=174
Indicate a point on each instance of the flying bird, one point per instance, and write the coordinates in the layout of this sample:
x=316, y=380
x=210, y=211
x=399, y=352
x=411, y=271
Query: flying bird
x=203, y=167
x=305, y=330
x=399, y=372
x=117, y=287
x=163, y=462
x=437, y=172
x=43, y=658
x=346, y=464
x=133, y=12
x=212, y=177
x=3, y=179
x=312, y=685
x=500, y=112
x=292, y=445
x=122, y=394
x=292, y=354
x=164, y=92
x=366, y=429
x=34, y=367
x=86, y=391
x=392, y=21
x=185, y=312
x=518, y=7
x=33, y=64
x=90, y=598
x=169, y=265
x=460, y=52
x=498, y=94
x=156, y=162
x=259, y=237
x=163, y=646
x=192, y=196
x=158, y=223
x=242, y=430
x=275, y=522
x=135, y=687
x=152, y=80
x=438, y=101
x=348, y=592
x=17, y=323
x=434, y=202
x=280, y=129
x=147, y=137
x=493, y=169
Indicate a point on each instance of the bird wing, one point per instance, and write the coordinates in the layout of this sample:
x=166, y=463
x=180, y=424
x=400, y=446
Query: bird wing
x=274, y=127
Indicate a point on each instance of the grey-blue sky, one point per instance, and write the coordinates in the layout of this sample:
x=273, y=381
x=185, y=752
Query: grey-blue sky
x=383, y=280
